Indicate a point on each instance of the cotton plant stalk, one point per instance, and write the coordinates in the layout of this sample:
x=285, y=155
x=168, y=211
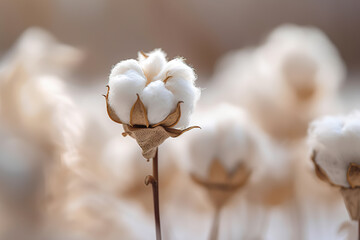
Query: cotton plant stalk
x=221, y=186
x=221, y=156
x=153, y=99
x=335, y=142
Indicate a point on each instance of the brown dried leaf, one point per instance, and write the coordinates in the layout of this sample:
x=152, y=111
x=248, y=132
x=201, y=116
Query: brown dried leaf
x=110, y=111
x=353, y=175
x=138, y=115
x=177, y=132
x=351, y=198
x=217, y=173
x=321, y=174
x=172, y=119
x=220, y=184
x=240, y=176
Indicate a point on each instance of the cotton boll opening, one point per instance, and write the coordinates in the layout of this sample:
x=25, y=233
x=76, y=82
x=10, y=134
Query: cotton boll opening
x=123, y=90
x=158, y=101
x=152, y=64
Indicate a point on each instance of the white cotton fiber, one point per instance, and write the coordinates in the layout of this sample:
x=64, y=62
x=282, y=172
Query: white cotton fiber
x=158, y=101
x=160, y=84
x=153, y=64
x=123, y=90
x=336, y=140
x=186, y=92
x=178, y=69
x=126, y=65
x=181, y=84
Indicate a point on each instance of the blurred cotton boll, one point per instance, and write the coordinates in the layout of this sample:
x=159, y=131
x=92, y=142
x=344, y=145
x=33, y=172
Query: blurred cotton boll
x=335, y=140
x=43, y=129
x=292, y=78
x=226, y=135
x=306, y=57
x=228, y=142
x=39, y=52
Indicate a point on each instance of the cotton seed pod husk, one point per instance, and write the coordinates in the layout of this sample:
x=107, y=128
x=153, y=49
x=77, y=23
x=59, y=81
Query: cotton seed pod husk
x=220, y=184
x=352, y=195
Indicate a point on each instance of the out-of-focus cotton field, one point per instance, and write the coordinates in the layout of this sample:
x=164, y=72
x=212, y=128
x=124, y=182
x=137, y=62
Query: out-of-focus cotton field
x=266, y=71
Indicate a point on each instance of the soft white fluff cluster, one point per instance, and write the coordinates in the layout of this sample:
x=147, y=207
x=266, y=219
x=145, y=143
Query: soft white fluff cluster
x=305, y=57
x=33, y=100
x=40, y=52
x=226, y=135
x=160, y=84
x=336, y=140
x=286, y=82
x=43, y=128
x=292, y=56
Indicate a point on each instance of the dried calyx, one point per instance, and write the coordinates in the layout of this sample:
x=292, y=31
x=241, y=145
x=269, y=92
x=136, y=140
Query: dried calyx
x=148, y=136
x=352, y=176
x=352, y=195
x=221, y=184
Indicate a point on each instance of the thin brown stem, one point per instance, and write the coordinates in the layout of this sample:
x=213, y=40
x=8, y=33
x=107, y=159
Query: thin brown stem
x=359, y=229
x=215, y=225
x=154, y=180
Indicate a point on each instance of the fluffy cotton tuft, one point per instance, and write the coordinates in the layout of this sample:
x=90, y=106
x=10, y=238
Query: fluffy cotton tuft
x=160, y=85
x=226, y=135
x=152, y=64
x=336, y=140
x=158, y=101
x=181, y=84
x=301, y=67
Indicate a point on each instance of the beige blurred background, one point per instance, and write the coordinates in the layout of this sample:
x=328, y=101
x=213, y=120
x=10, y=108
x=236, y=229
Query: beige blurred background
x=111, y=30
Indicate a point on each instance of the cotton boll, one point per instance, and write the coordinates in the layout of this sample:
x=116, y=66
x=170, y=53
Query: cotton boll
x=160, y=84
x=335, y=141
x=158, y=101
x=225, y=136
x=123, y=90
x=153, y=64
